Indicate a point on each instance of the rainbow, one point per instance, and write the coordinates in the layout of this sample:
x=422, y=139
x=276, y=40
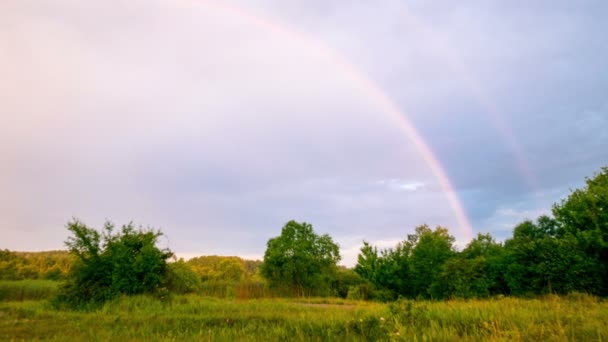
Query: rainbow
x=493, y=115
x=373, y=91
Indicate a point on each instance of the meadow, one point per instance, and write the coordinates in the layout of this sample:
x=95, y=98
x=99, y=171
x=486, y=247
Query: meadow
x=26, y=314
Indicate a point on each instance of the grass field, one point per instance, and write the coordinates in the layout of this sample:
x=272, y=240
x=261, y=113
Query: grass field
x=196, y=318
x=21, y=290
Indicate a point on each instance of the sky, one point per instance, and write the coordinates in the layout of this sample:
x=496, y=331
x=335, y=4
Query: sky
x=219, y=121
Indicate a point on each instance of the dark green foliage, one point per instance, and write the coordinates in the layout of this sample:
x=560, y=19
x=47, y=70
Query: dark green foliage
x=538, y=261
x=344, y=280
x=584, y=216
x=431, y=251
x=109, y=264
x=413, y=268
x=561, y=254
x=299, y=261
x=388, y=270
x=476, y=271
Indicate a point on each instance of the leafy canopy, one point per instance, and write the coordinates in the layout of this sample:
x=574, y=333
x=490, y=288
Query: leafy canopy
x=300, y=261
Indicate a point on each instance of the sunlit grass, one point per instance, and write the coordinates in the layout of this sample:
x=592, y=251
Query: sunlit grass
x=196, y=318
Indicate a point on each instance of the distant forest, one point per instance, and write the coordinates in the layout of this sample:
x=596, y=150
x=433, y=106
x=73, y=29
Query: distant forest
x=562, y=253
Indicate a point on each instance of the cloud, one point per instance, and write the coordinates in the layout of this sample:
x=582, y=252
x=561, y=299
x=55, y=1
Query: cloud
x=401, y=185
x=218, y=129
x=218, y=139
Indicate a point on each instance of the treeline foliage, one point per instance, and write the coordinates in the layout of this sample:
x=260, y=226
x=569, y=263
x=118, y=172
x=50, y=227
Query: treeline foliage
x=563, y=253
x=567, y=252
x=228, y=276
x=224, y=268
x=51, y=265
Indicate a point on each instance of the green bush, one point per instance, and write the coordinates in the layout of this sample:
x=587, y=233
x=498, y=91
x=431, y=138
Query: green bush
x=108, y=264
x=360, y=292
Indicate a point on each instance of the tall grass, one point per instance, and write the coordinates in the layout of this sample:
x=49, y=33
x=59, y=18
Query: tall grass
x=20, y=290
x=245, y=289
x=196, y=318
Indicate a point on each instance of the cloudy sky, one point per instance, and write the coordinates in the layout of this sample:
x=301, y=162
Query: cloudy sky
x=219, y=121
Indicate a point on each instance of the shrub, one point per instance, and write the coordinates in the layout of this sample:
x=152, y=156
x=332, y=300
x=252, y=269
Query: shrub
x=109, y=264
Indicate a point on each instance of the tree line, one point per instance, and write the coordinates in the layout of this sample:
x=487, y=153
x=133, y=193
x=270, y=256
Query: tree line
x=562, y=253
x=50, y=265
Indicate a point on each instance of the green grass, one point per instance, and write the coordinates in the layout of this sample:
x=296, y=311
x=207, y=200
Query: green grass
x=20, y=290
x=197, y=318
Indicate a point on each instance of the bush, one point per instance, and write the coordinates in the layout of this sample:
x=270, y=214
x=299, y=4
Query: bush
x=344, y=280
x=108, y=264
x=360, y=292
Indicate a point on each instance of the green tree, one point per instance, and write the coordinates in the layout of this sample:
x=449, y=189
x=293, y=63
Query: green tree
x=539, y=259
x=368, y=263
x=300, y=261
x=432, y=248
x=584, y=216
x=523, y=254
x=108, y=263
x=394, y=270
x=230, y=270
x=412, y=267
x=476, y=271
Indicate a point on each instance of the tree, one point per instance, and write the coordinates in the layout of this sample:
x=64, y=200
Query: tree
x=215, y=268
x=108, y=263
x=412, y=268
x=584, y=216
x=476, y=271
x=395, y=271
x=541, y=260
x=300, y=261
x=230, y=270
x=368, y=263
x=432, y=248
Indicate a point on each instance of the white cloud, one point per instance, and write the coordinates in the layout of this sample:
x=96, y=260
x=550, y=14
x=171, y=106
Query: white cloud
x=395, y=184
x=351, y=246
